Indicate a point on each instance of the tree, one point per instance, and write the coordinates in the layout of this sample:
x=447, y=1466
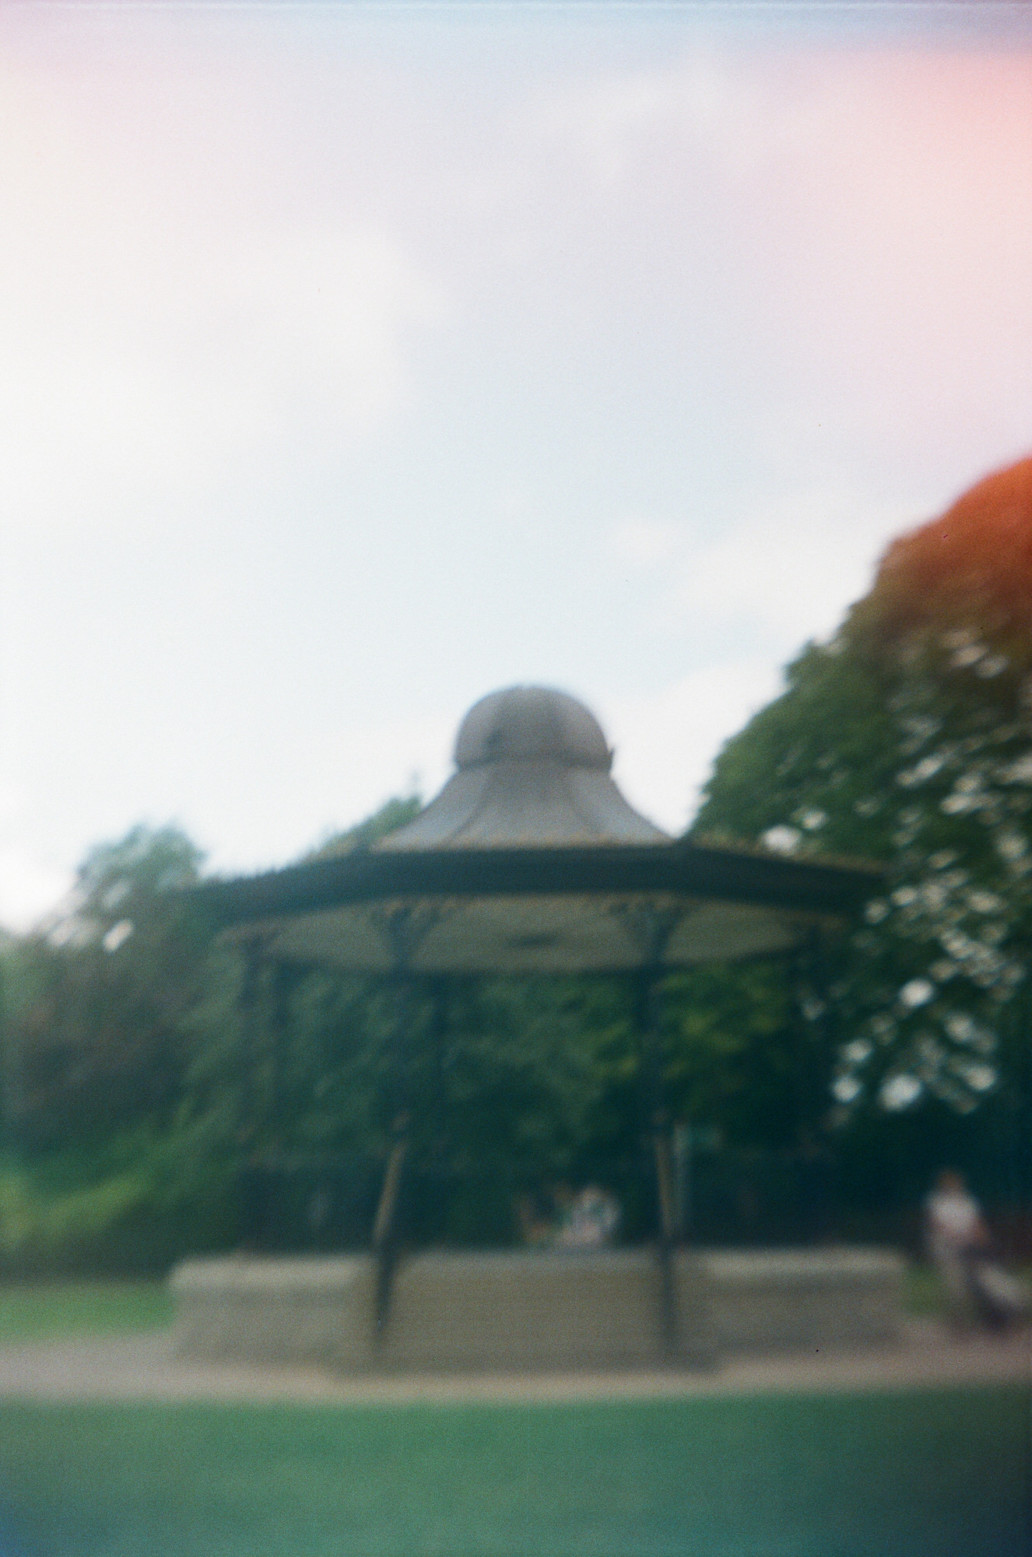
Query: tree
x=908, y=737
x=101, y=998
x=101, y=1140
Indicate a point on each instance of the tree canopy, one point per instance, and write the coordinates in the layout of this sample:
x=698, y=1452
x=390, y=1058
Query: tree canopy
x=908, y=736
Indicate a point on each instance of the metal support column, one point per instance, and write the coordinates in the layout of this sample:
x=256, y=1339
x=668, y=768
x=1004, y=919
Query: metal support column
x=251, y=1191
x=403, y=930
x=285, y=979
x=440, y=993
x=813, y=1068
x=648, y=1002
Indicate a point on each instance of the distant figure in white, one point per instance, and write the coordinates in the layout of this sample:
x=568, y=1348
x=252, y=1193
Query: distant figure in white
x=961, y=1248
x=587, y=1219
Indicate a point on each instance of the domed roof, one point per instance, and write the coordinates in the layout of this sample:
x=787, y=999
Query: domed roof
x=532, y=771
x=531, y=723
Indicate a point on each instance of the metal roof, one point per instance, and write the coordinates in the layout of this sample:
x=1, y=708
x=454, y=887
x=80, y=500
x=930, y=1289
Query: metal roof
x=532, y=771
x=531, y=861
x=537, y=910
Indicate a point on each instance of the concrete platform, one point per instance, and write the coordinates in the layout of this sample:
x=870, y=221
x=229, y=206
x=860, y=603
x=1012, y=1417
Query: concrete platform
x=523, y=1311
x=145, y=1367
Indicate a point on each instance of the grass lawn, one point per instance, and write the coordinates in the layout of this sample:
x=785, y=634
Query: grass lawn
x=936, y=1473
x=41, y=1311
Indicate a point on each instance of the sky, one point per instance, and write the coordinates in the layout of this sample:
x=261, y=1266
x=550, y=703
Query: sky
x=359, y=360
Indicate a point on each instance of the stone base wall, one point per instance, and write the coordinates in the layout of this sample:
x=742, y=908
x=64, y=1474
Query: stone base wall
x=243, y=1308
x=532, y=1311
x=784, y=1300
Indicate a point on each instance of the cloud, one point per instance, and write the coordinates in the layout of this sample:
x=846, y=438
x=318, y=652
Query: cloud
x=784, y=572
x=606, y=123
x=665, y=742
x=644, y=542
x=345, y=776
x=148, y=340
x=283, y=806
x=30, y=887
x=789, y=569
x=843, y=229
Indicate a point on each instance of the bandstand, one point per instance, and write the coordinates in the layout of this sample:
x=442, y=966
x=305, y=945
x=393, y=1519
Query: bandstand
x=529, y=861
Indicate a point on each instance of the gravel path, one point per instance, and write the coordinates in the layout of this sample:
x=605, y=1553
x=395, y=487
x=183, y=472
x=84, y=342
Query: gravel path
x=144, y=1367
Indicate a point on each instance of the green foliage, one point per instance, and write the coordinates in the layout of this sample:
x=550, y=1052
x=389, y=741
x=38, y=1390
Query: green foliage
x=735, y=1055
x=97, y=1005
x=37, y=1227
x=908, y=737
x=133, y=1202
x=818, y=762
x=108, y=1152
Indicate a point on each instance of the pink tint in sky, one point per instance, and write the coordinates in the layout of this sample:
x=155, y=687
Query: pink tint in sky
x=354, y=360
